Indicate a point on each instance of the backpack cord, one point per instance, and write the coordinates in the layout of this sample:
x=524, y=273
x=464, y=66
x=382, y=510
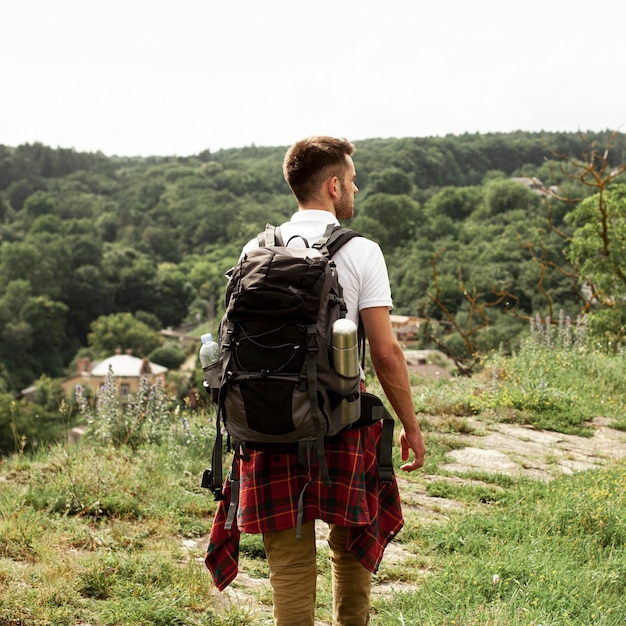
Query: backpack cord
x=216, y=460
x=234, y=492
x=311, y=375
x=305, y=449
x=212, y=479
x=240, y=453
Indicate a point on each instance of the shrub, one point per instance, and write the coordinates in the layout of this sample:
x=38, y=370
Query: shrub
x=145, y=418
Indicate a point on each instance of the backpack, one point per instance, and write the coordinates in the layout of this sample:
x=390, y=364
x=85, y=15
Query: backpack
x=275, y=385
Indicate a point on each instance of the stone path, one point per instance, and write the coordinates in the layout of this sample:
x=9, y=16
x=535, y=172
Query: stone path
x=523, y=450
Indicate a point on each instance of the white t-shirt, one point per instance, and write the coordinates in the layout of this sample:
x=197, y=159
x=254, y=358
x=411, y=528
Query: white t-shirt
x=360, y=263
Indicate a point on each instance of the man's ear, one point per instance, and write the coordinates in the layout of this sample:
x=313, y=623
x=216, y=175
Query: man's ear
x=332, y=186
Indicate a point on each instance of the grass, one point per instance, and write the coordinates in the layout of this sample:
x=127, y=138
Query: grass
x=96, y=534
x=538, y=554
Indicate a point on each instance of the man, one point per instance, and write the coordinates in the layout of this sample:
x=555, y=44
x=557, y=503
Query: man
x=363, y=514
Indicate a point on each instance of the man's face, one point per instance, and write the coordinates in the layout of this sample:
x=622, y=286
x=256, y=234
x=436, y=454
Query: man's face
x=344, y=206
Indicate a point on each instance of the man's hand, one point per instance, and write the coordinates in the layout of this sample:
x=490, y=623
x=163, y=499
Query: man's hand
x=412, y=441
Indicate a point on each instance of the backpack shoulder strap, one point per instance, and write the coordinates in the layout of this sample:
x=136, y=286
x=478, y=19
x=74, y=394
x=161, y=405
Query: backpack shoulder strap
x=334, y=238
x=271, y=236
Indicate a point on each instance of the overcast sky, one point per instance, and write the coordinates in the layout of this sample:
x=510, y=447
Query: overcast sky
x=162, y=77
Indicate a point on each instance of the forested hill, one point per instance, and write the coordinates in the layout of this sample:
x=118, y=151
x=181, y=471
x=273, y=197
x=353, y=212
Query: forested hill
x=85, y=235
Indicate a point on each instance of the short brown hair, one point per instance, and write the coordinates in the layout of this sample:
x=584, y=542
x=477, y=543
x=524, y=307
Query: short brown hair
x=311, y=161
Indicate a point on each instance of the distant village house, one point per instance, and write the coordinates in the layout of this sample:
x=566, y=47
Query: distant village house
x=405, y=327
x=128, y=370
x=536, y=185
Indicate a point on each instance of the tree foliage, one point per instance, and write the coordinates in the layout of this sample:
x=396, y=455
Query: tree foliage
x=89, y=240
x=122, y=331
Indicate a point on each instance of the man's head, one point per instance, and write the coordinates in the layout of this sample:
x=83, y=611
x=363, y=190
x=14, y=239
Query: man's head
x=320, y=168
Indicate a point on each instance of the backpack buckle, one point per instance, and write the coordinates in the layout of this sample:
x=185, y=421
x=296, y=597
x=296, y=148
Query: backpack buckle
x=228, y=338
x=312, y=346
x=208, y=482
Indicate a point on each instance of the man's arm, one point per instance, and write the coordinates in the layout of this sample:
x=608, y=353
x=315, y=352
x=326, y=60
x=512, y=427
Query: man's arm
x=390, y=367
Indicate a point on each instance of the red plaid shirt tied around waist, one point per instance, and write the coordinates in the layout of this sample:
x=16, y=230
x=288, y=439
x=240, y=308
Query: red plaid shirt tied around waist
x=271, y=485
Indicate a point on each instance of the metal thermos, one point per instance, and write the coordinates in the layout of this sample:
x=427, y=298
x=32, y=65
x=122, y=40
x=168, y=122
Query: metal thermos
x=346, y=360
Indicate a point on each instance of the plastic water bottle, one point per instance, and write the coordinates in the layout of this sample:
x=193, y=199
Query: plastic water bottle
x=346, y=360
x=209, y=356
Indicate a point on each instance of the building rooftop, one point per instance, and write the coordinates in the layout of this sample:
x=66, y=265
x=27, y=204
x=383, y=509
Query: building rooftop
x=126, y=365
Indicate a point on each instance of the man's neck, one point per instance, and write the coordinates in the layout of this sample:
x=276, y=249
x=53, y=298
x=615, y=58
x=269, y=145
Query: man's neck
x=318, y=207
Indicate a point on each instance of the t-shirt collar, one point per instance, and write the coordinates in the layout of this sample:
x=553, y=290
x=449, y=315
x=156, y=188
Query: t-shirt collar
x=314, y=215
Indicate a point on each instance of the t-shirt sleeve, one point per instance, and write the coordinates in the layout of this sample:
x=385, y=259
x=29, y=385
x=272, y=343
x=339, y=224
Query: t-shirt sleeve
x=363, y=276
x=375, y=288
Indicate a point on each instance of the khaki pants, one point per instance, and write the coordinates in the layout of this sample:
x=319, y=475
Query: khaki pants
x=293, y=576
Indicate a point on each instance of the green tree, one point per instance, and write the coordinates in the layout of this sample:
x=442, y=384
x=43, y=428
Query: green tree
x=49, y=393
x=173, y=295
x=18, y=191
x=392, y=218
x=32, y=335
x=122, y=331
x=131, y=277
x=598, y=250
x=501, y=196
x=26, y=426
x=87, y=296
x=598, y=245
x=47, y=321
x=4, y=210
x=457, y=203
x=19, y=261
x=206, y=273
x=39, y=203
x=391, y=180
x=169, y=356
